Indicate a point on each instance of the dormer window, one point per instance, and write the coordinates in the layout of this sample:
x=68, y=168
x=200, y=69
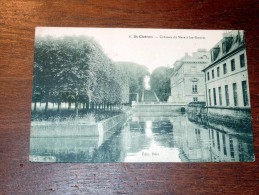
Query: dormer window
x=226, y=44
x=214, y=53
x=224, y=47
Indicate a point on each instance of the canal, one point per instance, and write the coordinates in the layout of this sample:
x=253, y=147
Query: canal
x=150, y=139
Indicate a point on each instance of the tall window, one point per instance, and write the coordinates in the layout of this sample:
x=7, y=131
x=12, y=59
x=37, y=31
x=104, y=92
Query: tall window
x=195, y=99
x=208, y=76
x=194, y=88
x=209, y=98
x=231, y=147
x=245, y=94
x=235, y=94
x=218, y=73
x=212, y=74
x=224, y=143
x=233, y=67
x=214, y=95
x=220, y=97
x=242, y=60
x=227, y=95
x=213, y=140
x=218, y=141
x=225, y=68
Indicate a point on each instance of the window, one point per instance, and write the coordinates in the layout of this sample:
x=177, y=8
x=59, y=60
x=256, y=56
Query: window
x=224, y=47
x=208, y=76
x=220, y=97
x=231, y=146
x=225, y=68
x=214, y=95
x=197, y=131
x=194, y=88
x=242, y=60
x=235, y=94
x=245, y=94
x=218, y=141
x=209, y=98
x=213, y=140
x=224, y=143
x=227, y=95
x=212, y=74
x=218, y=73
x=195, y=99
x=233, y=65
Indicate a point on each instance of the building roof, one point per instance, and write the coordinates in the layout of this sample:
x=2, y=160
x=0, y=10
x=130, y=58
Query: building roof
x=231, y=42
x=201, y=56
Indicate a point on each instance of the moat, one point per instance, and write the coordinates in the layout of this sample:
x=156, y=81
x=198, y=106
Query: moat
x=150, y=139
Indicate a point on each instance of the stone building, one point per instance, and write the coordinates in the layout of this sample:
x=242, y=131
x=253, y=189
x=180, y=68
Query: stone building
x=226, y=76
x=187, y=79
x=227, y=86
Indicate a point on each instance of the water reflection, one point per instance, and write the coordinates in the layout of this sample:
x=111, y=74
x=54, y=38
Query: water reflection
x=146, y=139
x=148, y=128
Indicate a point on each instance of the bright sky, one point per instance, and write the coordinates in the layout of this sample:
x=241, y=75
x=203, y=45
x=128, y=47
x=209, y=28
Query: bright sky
x=120, y=45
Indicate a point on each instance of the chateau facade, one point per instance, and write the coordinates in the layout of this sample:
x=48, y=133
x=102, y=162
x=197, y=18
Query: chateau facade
x=187, y=79
x=227, y=76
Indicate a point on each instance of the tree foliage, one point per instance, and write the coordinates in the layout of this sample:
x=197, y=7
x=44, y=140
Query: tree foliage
x=160, y=82
x=76, y=70
x=134, y=74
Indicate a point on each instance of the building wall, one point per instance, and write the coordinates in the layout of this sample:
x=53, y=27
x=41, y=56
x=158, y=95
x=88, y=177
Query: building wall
x=188, y=72
x=237, y=76
x=200, y=82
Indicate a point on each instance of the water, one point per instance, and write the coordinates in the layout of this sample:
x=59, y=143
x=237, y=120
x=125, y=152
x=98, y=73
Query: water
x=150, y=139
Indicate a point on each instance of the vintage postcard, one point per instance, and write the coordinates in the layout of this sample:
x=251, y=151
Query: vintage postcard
x=140, y=95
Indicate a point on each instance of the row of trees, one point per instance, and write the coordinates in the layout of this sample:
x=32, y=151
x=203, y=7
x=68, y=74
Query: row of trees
x=76, y=70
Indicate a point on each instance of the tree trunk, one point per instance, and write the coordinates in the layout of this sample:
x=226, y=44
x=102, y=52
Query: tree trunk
x=87, y=106
x=76, y=109
x=35, y=107
x=92, y=106
x=83, y=106
x=47, y=102
x=59, y=105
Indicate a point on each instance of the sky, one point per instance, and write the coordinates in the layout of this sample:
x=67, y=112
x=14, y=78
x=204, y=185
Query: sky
x=150, y=47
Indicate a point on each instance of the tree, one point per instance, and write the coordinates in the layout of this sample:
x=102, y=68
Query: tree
x=76, y=70
x=46, y=67
x=160, y=82
x=135, y=75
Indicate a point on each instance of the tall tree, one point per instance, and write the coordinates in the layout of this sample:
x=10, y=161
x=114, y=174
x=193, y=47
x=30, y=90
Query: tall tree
x=160, y=82
x=135, y=75
x=76, y=70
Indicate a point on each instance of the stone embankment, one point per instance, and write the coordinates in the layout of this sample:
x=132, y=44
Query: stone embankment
x=78, y=129
x=239, y=118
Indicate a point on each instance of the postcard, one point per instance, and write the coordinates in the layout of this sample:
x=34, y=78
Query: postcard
x=103, y=95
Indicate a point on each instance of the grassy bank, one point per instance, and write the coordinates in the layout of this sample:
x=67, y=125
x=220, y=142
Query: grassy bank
x=70, y=116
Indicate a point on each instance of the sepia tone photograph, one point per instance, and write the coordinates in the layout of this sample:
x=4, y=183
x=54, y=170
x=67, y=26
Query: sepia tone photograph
x=140, y=95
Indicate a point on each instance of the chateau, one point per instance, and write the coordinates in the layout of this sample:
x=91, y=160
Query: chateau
x=187, y=79
x=226, y=75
